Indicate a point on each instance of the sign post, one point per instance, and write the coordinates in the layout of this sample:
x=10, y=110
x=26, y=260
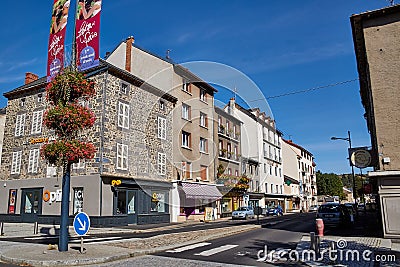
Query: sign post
x=81, y=225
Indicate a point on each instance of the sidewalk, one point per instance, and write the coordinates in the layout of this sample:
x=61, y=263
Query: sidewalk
x=106, y=251
x=356, y=246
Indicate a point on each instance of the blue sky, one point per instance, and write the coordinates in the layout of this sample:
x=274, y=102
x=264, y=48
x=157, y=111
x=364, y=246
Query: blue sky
x=282, y=46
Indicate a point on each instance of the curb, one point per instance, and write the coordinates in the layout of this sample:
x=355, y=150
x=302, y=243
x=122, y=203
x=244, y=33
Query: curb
x=128, y=253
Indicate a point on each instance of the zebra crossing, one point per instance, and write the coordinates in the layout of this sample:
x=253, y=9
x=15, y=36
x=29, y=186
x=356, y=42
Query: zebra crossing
x=204, y=253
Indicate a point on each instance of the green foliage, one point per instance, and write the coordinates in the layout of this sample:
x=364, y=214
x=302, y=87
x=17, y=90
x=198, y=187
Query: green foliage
x=329, y=184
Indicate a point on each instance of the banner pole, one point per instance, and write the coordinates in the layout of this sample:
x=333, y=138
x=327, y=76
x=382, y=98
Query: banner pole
x=73, y=63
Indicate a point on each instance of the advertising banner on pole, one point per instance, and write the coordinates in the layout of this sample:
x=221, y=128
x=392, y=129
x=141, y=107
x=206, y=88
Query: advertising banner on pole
x=55, y=54
x=87, y=33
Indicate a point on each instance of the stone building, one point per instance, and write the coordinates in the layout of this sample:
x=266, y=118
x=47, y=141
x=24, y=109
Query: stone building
x=133, y=137
x=376, y=37
x=193, y=133
x=227, y=131
x=2, y=124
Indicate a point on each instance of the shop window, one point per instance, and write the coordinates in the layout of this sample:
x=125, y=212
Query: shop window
x=131, y=202
x=78, y=200
x=158, y=202
x=121, y=202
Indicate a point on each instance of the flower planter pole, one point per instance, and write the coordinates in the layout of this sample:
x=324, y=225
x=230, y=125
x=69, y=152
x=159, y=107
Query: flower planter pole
x=68, y=118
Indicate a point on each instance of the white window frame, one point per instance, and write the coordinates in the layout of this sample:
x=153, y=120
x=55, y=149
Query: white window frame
x=20, y=125
x=161, y=163
x=33, y=162
x=185, y=86
x=185, y=139
x=37, y=121
x=79, y=165
x=203, y=95
x=16, y=162
x=123, y=115
x=185, y=112
x=203, y=145
x=162, y=128
x=203, y=120
x=122, y=157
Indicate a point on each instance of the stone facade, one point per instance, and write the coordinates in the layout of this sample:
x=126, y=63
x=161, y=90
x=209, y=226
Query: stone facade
x=2, y=124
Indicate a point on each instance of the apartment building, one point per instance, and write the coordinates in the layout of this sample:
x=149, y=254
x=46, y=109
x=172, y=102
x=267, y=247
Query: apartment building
x=227, y=131
x=376, y=37
x=193, y=148
x=261, y=155
x=133, y=137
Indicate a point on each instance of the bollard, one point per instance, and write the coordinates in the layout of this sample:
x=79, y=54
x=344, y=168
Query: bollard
x=2, y=228
x=319, y=223
x=312, y=241
x=35, y=228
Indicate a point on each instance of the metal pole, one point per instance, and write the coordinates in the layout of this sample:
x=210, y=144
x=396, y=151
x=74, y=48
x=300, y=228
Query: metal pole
x=352, y=172
x=82, y=244
x=63, y=239
x=2, y=228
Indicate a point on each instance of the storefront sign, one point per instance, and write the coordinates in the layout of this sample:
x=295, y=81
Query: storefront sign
x=33, y=141
x=52, y=196
x=115, y=182
x=12, y=200
x=208, y=214
x=157, y=197
x=78, y=199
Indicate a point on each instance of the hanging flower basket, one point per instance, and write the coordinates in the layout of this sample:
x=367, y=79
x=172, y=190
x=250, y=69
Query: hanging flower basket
x=69, y=86
x=69, y=119
x=60, y=151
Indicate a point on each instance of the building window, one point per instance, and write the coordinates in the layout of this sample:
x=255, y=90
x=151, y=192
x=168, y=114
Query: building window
x=20, y=125
x=277, y=189
x=266, y=187
x=203, y=172
x=185, y=112
x=157, y=202
x=186, y=139
x=37, y=121
x=203, y=95
x=122, y=156
x=22, y=103
x=16, y=162
x=161, y=105
x=40, y=98
x=186, y=86
x=124, y=88
x=265, y=168
x=186, y=170
x=79, y=165
x=123, y=115
x=236, y=173
x=33, y=160
x=203, y=120
x=257, y=186
x=162, y=160
x=203, y=145
x=229, y=171
x=162, y=128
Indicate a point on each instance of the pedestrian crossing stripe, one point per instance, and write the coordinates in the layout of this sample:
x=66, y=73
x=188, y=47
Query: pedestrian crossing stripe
x=189, y=247
x=213, y=251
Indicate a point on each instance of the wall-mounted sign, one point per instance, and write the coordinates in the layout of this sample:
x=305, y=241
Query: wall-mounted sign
x=360, y=157
x=115, y=182
x=52, y=196
x=33, y=141
x=12, y=200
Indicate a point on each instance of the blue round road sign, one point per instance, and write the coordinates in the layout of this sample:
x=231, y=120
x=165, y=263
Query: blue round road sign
x=81, y=223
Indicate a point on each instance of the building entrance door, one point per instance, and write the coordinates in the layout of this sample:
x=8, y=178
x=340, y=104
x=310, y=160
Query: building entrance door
x=31, y=204
x=125, y=202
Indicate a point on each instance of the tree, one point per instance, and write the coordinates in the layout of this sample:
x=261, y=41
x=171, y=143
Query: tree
x=67, y=117
x=329, y=184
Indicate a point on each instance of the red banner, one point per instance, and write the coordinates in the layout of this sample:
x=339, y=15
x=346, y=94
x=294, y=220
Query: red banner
x=55, y=55
x=87, y=33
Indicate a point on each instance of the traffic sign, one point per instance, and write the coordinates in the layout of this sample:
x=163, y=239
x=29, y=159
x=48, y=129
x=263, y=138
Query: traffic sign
x=81, y=223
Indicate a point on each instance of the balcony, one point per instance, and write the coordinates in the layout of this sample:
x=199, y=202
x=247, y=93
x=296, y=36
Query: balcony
x=229, y=156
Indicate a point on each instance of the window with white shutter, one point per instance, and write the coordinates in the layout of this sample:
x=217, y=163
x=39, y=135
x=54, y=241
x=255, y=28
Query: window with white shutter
x=162, y=128
x=37, y=121
x=162, y=160
x=123, y=115
x=20, y=125
x=16, y=162
x=122, y=156
x=33, y=161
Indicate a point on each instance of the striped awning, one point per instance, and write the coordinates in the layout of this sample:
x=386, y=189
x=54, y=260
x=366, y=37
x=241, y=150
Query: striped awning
x=201, y=191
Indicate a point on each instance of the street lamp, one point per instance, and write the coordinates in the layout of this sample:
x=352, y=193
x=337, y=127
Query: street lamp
x=348, y=139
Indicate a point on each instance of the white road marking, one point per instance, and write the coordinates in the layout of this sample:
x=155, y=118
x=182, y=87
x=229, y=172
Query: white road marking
x=176, y=250
x=213, y=251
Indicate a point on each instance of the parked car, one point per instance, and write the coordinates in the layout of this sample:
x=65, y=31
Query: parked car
x=243, y=213
x=313, y=208
x=334, y=214
x=274, y=211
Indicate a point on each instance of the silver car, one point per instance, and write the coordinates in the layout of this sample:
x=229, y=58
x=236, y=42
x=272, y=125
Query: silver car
x=243, y=213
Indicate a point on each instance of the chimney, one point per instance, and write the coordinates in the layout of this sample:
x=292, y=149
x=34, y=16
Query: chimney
x=30, y=77
x=231, y=105
x=128, y=55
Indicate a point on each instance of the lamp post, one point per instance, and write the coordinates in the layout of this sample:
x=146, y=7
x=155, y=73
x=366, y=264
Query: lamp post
x=348, y=139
